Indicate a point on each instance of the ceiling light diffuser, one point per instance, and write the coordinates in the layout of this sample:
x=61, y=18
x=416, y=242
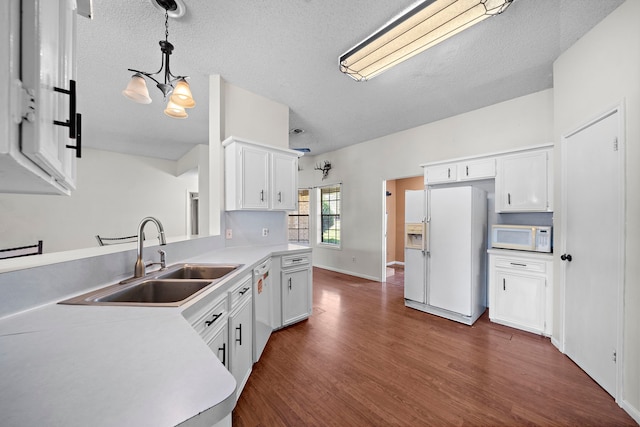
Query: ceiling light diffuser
x=414, y=31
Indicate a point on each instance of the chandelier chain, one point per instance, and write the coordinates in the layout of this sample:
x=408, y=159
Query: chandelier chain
x=166, y=25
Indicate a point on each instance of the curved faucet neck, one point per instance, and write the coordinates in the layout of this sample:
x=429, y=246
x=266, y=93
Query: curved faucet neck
x=139, y=269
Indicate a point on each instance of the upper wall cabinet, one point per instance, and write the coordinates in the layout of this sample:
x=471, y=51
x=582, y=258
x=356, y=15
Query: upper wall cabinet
x=259, y=177
x=39, y=126
x=467, y=170
x=523, y=182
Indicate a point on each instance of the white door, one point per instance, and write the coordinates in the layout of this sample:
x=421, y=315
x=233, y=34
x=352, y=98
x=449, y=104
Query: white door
x=592, y=251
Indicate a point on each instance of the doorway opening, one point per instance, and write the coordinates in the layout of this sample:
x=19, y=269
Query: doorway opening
x=393, y=223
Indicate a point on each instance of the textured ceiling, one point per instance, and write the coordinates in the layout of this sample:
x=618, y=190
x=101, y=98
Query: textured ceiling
x=288, y=51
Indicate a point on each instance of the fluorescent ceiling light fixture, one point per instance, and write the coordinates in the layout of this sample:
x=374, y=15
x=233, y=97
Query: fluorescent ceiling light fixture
x=412, y=32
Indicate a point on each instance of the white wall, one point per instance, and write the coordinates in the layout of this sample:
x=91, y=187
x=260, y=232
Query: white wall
x=255, y=118
x=115, y=191
x=362, y=168
x=598, y=72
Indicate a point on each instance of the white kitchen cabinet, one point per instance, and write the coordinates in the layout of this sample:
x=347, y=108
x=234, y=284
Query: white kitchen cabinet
x=219, y=343
x=439, y=174
x=477, y=169
x=467, y=170
x=210, y=322
x=284, y=178
x=37, y=88
x=523, y=182
x=241, y=333
x=296, y=285
x=520, y=290
x=259, y=177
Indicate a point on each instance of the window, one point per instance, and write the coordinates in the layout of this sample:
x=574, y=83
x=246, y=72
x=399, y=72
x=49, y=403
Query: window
x=299, y=220
x=330, y=215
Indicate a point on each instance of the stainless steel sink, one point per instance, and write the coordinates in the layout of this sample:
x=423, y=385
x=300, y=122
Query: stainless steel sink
x=199, y=271
x=156, y=291
x=164, y=288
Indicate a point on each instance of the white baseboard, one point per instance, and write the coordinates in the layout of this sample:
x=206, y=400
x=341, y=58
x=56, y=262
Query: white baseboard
x=634, y=412
x=350, y=273
x=392, y=263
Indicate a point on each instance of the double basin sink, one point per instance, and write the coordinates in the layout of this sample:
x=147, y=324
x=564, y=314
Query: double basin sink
x=170, y=287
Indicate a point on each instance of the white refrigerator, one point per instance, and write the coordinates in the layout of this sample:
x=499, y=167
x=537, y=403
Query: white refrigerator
x=453, y=267
x=415, y=261
x=456, y=250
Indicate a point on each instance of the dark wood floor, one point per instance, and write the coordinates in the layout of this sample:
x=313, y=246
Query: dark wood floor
x=364, y=359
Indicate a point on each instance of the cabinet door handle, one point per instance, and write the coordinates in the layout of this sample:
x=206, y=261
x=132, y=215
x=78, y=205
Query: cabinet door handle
x=504, y=284
x=508, y=198
x=448, y=172
x=71, y=122
x=239, y=328
x=566, y=257
x=224, y=353
x=289, y=283
x=517, y=264
x=244, y=291
x=467, y=170
x=280, y=196
x=78, y=146
x=215, y=317
x=262, y=195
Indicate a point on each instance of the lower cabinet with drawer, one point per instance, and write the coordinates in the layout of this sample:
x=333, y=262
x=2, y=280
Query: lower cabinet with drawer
x=520, y=290
x=296, y=290
x=240, y=333
x=211, y=324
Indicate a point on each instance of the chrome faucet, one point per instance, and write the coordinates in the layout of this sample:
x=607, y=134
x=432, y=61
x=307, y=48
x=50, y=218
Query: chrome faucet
x=139, y=269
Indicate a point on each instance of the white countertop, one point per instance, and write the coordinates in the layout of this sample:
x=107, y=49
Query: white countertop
x=72, y=365
x=521, y=254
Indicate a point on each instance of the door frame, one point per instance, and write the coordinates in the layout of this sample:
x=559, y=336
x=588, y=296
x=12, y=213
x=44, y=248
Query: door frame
x=619, y=108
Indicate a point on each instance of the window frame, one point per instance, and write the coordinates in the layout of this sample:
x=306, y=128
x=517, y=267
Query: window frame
x=337, y=216
x=297, y=214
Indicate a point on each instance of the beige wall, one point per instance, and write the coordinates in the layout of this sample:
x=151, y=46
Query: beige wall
x=600, y=71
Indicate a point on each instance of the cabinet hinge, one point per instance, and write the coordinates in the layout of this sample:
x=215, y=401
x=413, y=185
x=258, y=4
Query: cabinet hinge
x=615, y=144
x=24, y=103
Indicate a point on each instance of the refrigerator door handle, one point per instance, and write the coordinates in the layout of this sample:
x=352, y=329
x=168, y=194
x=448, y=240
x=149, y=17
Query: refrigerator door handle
x=427, y=236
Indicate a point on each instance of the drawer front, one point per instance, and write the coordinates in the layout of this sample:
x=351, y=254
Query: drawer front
x=295, y=260
x=239, y=293
x=212, y=317
x=521, y=264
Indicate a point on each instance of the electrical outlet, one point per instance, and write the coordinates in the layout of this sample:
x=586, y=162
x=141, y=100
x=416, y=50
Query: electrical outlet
x=265, y=232
x=229, y=234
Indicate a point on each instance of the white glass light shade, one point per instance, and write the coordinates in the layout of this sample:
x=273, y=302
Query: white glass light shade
x=418, y=29
x=176, y=111
x=182, y=95
x=137, y=90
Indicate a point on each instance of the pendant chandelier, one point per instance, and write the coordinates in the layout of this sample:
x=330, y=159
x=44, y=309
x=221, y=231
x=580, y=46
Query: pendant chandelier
x=176, y=88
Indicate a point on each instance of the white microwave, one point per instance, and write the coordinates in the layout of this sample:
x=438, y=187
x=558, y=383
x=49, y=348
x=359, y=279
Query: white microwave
x=521, y=237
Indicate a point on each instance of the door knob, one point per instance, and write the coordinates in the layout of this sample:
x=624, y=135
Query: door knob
x=566, y=257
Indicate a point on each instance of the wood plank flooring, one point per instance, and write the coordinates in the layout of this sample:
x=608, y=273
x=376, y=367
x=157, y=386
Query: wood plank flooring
x=364, y=359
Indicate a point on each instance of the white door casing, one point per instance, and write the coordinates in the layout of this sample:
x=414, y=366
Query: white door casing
x=592, y=247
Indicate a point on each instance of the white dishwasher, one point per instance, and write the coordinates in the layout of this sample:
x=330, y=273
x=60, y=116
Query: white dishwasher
x=262, y=308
